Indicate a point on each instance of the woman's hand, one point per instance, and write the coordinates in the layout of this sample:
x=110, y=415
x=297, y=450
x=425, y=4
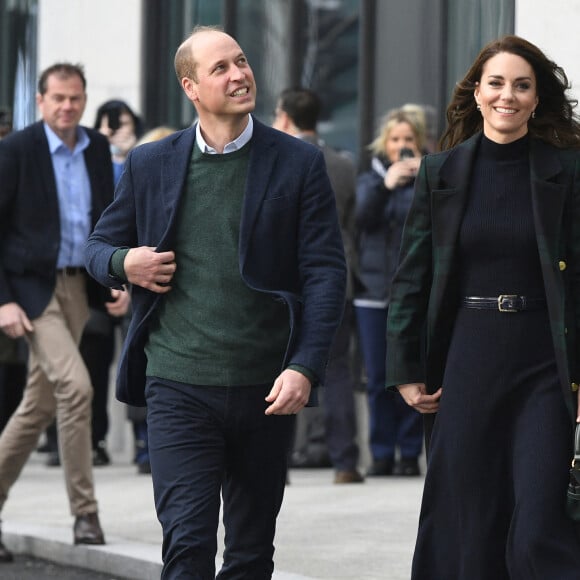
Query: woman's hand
x=415, y=395
x=401, y=172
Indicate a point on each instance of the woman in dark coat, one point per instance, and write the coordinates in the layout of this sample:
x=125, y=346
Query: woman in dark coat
x=484, y=320
x=383, y=198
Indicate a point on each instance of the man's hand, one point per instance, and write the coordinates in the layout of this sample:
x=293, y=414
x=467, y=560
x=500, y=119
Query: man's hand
x=289, y=394
x=13, y=320
x=150, y=269
x=120, y=304
x=415, y=395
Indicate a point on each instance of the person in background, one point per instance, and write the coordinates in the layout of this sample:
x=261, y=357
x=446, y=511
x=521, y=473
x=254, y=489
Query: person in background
x=484, y=321
x=383, y=198
x=5, y=122
x=227, y=232
x=423, y=116
x=56, y=179
x=297, y=113
x=122, y=127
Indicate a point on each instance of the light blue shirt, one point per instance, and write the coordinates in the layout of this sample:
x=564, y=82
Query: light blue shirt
x=74, y=196
x=234, y=145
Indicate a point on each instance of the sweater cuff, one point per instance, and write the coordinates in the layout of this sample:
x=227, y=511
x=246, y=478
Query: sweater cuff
x=306, y=372
x=116, y=269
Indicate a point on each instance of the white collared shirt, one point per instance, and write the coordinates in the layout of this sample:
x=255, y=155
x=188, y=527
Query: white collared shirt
x=234, y=145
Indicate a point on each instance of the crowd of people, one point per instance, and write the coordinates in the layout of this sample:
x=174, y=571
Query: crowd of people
x=443, y=284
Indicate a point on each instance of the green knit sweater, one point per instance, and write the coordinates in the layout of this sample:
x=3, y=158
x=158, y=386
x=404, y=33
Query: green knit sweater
x=211, y=329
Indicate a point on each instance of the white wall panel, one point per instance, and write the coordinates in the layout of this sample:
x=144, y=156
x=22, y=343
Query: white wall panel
x=553, y=27
x=104, y=36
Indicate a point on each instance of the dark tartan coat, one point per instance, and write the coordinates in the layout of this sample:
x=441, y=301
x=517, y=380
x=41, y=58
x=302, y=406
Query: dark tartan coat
x=425, y=291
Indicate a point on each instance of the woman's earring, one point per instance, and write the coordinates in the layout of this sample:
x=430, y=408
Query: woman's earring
x=478, y=107
x=533, y=114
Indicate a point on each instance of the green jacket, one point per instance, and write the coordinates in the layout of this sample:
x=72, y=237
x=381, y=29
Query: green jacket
x=425, y=291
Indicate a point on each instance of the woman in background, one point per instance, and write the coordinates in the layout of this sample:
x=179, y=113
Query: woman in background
x=383, y=198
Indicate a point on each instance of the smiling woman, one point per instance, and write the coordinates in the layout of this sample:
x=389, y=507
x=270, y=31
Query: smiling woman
x=506, y=97
x=488, y=259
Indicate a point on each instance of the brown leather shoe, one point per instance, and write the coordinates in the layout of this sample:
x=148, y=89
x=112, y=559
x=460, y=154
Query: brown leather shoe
x=87, y=530
x=5, y=554
x=350, y=476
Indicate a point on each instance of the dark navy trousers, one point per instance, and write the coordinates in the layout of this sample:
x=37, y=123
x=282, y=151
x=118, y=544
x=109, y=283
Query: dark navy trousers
x=207, y=441
x=392, y=422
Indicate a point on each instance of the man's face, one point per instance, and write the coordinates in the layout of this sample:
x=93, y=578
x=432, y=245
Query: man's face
x=63, y=103
x=224, y=84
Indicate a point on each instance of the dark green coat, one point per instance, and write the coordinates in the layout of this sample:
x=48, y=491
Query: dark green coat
x=425, y=292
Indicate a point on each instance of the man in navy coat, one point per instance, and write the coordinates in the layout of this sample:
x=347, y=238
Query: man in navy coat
x=228, y=234
x=55, y=180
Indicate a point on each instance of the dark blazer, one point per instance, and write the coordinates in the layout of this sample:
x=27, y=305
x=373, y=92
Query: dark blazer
x=425, y=291
x=290, y=244
x=342, y=174
x=29, y=214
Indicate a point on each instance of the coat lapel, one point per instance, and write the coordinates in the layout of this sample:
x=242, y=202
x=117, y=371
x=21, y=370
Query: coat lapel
x=263, y=157
x=450, y=194
x=548, y=198
x=175, y=164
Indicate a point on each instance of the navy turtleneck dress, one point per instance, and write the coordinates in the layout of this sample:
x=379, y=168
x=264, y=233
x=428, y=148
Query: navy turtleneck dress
x=491, y=495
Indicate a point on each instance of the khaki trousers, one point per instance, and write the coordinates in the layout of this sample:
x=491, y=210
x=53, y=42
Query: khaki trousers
x=58, y=384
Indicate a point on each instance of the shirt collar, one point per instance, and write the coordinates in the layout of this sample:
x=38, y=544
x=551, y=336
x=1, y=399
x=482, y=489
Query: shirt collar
x=234, y=145
x=55, y=142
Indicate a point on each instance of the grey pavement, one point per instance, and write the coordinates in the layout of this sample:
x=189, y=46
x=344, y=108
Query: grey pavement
x=325, y=531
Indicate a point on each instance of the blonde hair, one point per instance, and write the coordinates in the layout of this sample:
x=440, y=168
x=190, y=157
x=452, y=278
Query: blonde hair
x=155, y=134
x=405, y=114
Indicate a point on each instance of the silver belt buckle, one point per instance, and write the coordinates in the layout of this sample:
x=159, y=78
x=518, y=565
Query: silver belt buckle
x=506, y=302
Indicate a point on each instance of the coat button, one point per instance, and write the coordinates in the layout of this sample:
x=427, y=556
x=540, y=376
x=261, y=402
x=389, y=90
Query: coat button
x=562, y=265
x=574, y=386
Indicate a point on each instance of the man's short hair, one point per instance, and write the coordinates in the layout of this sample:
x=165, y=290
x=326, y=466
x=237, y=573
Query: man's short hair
x=63, y=70
x=302, y=105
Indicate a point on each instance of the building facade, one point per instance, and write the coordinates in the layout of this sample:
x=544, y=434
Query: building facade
x=363, y=56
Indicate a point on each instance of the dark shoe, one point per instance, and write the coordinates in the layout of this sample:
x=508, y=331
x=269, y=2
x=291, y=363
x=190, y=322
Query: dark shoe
x=381, y=467
x=144, y=468
x=87, y=530
x=407, y=467
x=100, y=455
x=53, y=459
x=45, y=448
x=305, y=460
x=5, y=554
x=348, y=476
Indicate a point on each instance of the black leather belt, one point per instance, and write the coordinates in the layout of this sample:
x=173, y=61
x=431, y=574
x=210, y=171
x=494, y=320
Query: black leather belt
x=71, y=270
x=504, y=303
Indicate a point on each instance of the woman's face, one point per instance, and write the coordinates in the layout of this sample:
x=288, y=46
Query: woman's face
x=400, y=136
x=507, y=96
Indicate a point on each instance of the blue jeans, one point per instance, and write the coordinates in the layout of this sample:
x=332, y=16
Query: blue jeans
x=392, y=422
x=205, y=441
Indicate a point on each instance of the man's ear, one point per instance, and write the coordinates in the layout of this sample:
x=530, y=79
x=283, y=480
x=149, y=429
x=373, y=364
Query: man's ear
x=190, y=88
x=286, y=121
